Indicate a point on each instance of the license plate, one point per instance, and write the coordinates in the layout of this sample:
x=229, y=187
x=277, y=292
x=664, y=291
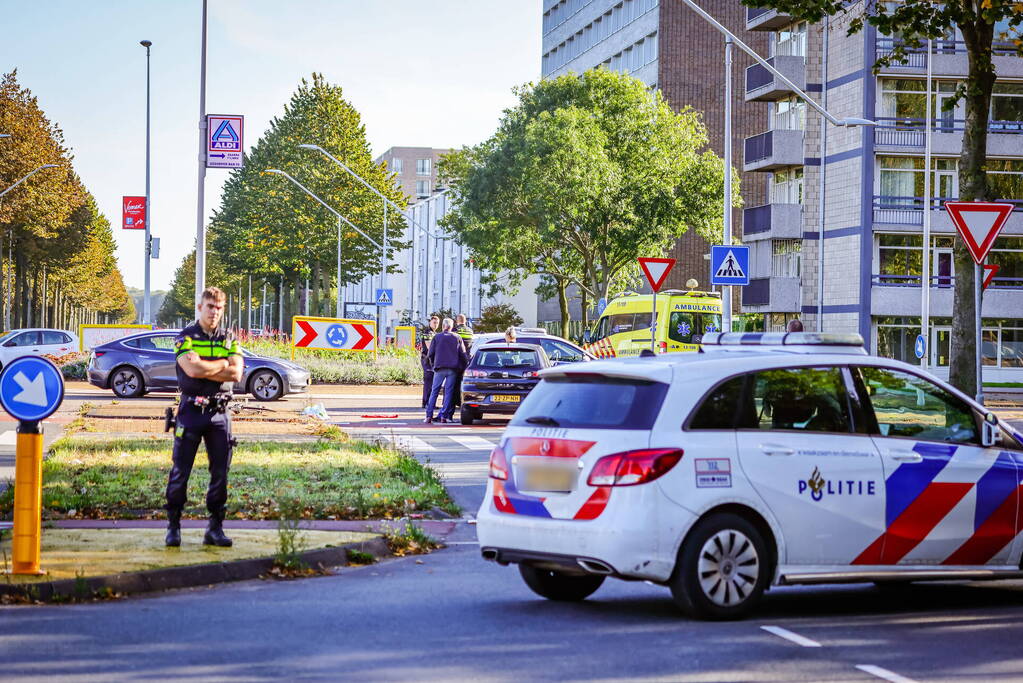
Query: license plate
x=558, y=479
x=504, y=398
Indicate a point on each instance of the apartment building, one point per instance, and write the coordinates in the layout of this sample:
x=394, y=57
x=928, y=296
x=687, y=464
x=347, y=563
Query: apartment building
x=415, y=169
x=874, y=194
x=666, y=45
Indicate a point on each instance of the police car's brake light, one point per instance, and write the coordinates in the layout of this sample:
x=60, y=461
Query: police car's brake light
x=498, y=464
x=632, y=467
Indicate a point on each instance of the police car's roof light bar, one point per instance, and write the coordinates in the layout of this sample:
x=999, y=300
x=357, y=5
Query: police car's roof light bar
x=782, y=339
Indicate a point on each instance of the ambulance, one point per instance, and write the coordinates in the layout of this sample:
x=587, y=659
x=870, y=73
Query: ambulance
x=623, y=328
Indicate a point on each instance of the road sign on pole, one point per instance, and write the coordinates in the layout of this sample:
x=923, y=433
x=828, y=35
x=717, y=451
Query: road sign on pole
x=729, y=264
x=384, y=297
x=978, y=224
x=31, y=389
x=133, y=213
x=225, y=141
x=656, y=271
x=990, y=270
x=920, y=348
x=333, y=334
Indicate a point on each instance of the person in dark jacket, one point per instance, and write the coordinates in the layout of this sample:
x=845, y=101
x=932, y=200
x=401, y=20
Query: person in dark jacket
x=447, y=357
x=464, y=333
x=424, y=361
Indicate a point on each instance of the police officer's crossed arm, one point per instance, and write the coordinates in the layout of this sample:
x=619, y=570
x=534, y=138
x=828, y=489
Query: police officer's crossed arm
x=217, y=369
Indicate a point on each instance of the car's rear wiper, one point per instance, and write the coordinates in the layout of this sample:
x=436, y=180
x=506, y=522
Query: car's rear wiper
x=543, y=420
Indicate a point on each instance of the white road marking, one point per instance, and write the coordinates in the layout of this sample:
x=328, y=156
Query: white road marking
x=883, y=673
x=8, y=438
x=473, y=443
x=790, y=636
x=461, y=543
x=413, y=443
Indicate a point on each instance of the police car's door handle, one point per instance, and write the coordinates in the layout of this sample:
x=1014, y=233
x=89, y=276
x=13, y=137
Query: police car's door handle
x=775, y=449
x=904, y=456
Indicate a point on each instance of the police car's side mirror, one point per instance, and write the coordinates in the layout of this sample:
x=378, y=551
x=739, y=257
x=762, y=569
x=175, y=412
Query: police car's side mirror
x=990, y=433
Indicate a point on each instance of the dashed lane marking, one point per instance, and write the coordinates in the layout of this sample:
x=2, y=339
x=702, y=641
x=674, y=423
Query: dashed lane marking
x=473, y=443
x=790, y=636
x=883, y=673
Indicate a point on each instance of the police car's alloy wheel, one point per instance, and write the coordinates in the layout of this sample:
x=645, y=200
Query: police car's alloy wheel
x=557, y=586
x=127, y=382
x=722, y=568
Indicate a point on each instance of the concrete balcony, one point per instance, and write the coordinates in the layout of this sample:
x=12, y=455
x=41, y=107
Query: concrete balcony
x=764, y=19
x=906, y=214
x=764, y=86
x=772, y=221
x=907, y=135
x=772, y=295
x=948, y=58
x=903, y=300
x=773, y=149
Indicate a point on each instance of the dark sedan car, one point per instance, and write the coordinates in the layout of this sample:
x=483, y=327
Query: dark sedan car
x=134, y=365
x=498, y=377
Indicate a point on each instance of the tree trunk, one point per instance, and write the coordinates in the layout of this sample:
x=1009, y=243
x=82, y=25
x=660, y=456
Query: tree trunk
x=584, y=302
x=21, y=291
x=562, y=285
x=973, y=186
x=315, y=307
x=33, y=309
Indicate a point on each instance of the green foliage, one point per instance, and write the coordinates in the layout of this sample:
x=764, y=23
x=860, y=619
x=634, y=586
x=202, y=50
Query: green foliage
x=497, y=318
x=587, y=173
x=290, y=543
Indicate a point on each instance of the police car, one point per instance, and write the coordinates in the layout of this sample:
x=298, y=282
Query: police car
x=765, y=460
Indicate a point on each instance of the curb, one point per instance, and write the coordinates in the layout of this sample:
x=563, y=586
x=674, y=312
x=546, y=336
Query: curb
x=183, y=577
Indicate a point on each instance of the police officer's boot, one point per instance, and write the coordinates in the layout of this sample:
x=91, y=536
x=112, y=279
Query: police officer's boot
x=173, y=538
x=215, y=531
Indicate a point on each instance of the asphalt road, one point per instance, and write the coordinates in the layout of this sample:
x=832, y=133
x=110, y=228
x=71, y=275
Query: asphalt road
x=450, y=616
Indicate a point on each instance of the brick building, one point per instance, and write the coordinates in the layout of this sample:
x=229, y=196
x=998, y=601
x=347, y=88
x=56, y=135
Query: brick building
x=416, y=169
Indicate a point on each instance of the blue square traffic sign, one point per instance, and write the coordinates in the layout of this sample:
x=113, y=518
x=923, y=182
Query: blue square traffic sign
x=729, y=265
x=385, y=297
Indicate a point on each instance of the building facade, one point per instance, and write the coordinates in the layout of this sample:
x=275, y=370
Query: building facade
x=415, y=169
x=874, y=199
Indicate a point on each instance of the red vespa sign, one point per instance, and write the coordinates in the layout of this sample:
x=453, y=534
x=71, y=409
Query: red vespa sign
x=133, y=213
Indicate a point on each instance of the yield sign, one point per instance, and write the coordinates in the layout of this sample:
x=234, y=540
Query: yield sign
x=656, y=270
x=991, y=270
x=978, y=224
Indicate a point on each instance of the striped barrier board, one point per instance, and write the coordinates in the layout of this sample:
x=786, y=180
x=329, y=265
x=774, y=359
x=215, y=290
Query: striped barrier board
x=333, y=334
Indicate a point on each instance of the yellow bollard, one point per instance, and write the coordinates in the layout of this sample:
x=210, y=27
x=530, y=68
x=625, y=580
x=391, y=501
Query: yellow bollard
x=28, y=493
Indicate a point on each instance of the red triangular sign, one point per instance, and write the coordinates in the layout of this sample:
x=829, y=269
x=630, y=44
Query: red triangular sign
x=991, y=269
x=978, y=224
x=656, y=270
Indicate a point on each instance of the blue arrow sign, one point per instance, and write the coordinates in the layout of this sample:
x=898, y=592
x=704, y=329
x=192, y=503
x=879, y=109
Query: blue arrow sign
x=385, y=297
x=920, y=348
x=31, y=388
x=729, y=265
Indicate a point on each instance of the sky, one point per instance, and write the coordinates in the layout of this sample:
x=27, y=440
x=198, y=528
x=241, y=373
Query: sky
x=432, y=73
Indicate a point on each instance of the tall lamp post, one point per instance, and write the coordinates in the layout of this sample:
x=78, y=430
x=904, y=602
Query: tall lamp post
x=731, y=38
x=146, y=310
x=340, y=219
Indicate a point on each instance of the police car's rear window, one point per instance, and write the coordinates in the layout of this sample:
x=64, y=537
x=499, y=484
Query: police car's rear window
x=592, y=402
x=506, y=358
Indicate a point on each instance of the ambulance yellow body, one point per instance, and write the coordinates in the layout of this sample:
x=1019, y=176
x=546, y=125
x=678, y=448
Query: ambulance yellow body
x=623, y=328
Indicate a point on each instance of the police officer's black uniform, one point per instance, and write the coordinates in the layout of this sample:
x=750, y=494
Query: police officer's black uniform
x=202, y=415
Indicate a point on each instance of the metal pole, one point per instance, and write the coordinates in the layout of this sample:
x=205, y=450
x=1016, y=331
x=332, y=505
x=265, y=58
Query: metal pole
x=821, y=174
x=977, y=333
x=412, y=267
x=337, y=305
x=925, y=271
x=280, y=305
x=262, y=308
x=147, y=313
x=653, y=320
x=726, y=291
x=426, y=267
x=381, y=314
x=200, y=217
x=248, y=307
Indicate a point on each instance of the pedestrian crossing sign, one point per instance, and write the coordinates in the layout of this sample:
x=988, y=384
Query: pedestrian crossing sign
x=385, y=297
x=729, y=265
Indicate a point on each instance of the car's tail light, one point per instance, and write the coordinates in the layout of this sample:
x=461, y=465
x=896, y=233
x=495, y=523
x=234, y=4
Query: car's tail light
x=498, y=464
x=97, y=354
x=475, y=373
x=530, y=373
x=632, y=467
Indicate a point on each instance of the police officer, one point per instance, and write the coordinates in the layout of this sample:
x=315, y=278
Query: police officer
x=209, y=361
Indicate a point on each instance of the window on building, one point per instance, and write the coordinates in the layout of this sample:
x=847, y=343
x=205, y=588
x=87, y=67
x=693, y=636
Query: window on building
x=902, y=179
x=789, y=41
x=423, y=166
x=422, y=188
x=785, y=256
x=788, y=113
x=1007, y=253
x=787, y=186
x=397, y=166
x=1007, y=106
x=899, y=259
x=905, y=99
x=1005, y=178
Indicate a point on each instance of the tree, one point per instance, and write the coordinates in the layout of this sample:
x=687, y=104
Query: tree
x=981, y=22
x=497, y=318
x=586, y=174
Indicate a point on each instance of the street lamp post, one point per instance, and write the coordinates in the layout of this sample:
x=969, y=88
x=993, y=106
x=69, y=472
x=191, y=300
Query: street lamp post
x=146, y=310
x=340, y=219
x=849, y=121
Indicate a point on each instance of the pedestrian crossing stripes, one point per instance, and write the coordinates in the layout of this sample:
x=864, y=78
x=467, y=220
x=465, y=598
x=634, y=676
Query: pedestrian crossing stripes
x=439, y=442
x=8, y=438
x=474, y=443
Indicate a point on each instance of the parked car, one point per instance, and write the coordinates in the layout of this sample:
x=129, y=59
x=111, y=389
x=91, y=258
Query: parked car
x=557, y=349
x=36, y=341
x=135, y=365
x=499, y=377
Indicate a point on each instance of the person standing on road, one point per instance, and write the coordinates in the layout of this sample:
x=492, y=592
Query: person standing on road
x=209, y=362
x=424, y=361
x=447, y=356
x=464, y=332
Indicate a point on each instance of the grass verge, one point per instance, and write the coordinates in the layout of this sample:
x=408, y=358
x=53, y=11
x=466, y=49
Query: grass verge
x=126, y=478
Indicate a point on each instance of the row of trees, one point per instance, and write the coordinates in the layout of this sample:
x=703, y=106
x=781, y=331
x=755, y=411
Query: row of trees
x=269, y=229
x=56, y=248
x=586, y=174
